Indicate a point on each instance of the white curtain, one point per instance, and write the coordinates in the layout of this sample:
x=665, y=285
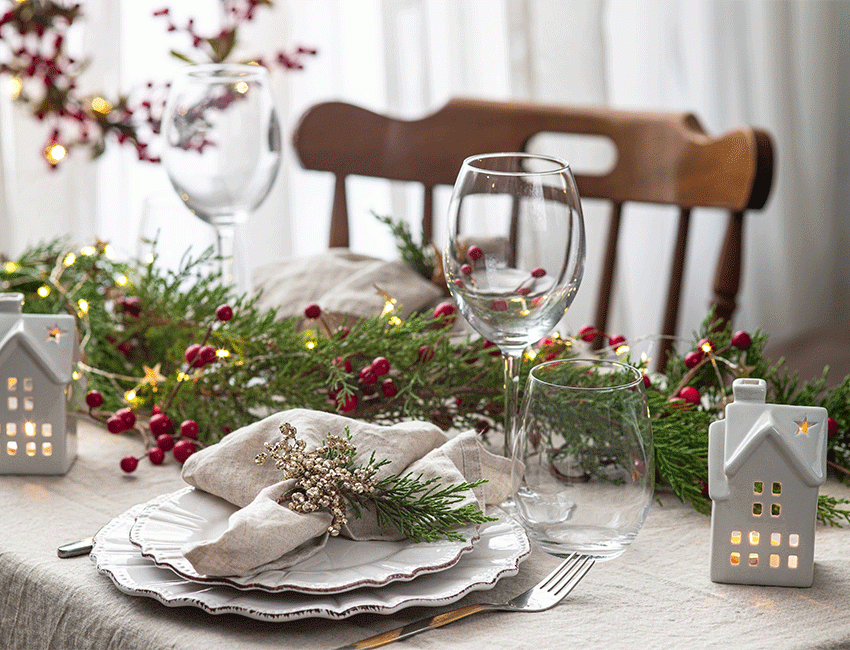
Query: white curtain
x=777, y=64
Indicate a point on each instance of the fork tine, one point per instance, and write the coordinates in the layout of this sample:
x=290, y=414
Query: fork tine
x=559, y=571
x=576, y=571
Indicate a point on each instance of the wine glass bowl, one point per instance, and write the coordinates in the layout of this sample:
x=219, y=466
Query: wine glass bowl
x=514, y=254
x=584, y=447
x=222, y=145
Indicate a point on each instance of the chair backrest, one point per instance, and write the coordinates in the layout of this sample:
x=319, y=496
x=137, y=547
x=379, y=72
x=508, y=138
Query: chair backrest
x=661, y=158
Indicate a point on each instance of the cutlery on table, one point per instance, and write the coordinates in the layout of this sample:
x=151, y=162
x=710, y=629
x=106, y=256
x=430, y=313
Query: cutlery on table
x=546, y=594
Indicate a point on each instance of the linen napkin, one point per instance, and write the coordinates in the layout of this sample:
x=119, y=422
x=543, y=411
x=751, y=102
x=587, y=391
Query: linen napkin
x=264, y=535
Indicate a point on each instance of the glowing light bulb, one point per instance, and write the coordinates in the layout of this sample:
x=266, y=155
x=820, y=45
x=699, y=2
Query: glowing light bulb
x=222, y=353
x=43, y=291
x=241, y=87
x=14, y=86
x=109, y=252
x=88, y=251
x=70, y=258
x=55, y=152
x=10, y=267
x=83, y=305
x=130, y=395
x=121, y=280
x=100, y=105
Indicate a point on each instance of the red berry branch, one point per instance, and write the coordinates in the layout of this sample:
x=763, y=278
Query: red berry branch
x=45, y=77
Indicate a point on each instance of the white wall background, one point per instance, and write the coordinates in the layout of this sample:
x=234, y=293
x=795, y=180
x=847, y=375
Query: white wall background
x=778, y=64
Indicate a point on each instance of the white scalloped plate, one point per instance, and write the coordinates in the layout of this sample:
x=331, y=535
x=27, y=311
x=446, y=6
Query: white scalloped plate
x=502, y=547
x=190, y=515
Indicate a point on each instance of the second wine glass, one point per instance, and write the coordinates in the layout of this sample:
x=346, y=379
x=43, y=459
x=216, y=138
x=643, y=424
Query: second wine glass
x=514, y=254
x=222, y=147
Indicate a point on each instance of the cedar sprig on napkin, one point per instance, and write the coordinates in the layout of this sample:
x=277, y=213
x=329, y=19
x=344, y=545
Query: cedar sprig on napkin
x=327, y=478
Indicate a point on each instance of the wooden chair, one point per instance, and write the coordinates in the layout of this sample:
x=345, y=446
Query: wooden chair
x=661, y=158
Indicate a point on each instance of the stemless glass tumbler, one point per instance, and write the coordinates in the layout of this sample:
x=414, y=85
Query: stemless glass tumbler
x=584, y=447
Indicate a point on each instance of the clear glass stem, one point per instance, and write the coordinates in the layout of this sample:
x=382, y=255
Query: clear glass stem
x=512, y=360
x=225, y=236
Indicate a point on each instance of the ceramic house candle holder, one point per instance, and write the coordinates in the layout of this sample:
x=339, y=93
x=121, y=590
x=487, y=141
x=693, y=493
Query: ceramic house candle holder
x=37, y=355
x=765, y=465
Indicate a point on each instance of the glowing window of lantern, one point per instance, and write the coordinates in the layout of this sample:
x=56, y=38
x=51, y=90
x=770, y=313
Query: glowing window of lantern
x=11, y=447
x=29, y=428
x=758, y=487
x=774, y=560
x=793, y=540
x=754, y=559
x=13, y=403
x=775, y=539
x=11, y=429
x=30, y=449
x=775, y=509
x=28, y=383
x=46, y=448
x=792, y=561
x=47, y=429
x=754, y=538
x=735, y=559
x=12, y=383
x=777, y=488
x=736, y=537
x=28, y=404
x=757, y=509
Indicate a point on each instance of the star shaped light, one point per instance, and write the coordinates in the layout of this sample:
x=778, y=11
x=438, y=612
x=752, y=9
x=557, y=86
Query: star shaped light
x=804, y=426
x=152, y=376
x=55, y=333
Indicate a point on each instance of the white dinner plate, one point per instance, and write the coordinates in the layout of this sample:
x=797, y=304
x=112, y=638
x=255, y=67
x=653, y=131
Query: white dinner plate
x=503, y=545
x=191, y=515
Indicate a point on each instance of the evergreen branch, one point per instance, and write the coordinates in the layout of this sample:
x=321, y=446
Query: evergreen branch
x=830, y=513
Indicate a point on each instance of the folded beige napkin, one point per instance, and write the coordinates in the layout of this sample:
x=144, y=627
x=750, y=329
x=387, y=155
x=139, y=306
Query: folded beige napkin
x=343, y=284
x=265, y=535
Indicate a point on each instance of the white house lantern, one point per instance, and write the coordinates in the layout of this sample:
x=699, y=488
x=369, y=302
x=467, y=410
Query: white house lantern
x=37, y=354
x=765, y=465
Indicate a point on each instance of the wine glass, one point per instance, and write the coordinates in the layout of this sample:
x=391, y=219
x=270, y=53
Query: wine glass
x=584, y=448
x=222, y=148
x=514, y=254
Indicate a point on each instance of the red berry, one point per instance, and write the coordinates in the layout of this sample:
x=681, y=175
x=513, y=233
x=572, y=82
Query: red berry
x=115, y=424
x=466, y=269
x=348, y=403
x=156, y=455
x=224, y=313
x=539, y=272
x=368, y=376
x=742, y=340
x=495, y=352
x=184, y=449
x=588, y=333
x=132, y=306
x=165, y=441
x=690, y=395
x=499, y=305
x=189, y=429
x=482, y=427
x=647, y=382
x=192, y=355
x=312, y=311
x=831, y=427
x=460, y=284
x=206, y=354
x=345, y=364
x=617, y=340
x=161, y=423
x=475, y=253
x=155, y=409
x=368, y=391
x=380, y=366
x=129, y=463
x=225, y=429
x=426, y=353
x=524, y=291
x=94, y=399
x=127, y=417
x=693, y=357
x=341, y=332
x=445, y=311
x=388, y=388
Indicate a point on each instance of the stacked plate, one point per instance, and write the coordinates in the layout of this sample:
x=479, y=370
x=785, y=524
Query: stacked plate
x=140, y=551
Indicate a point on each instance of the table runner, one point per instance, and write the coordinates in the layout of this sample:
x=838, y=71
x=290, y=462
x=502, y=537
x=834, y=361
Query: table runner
x=657, y=595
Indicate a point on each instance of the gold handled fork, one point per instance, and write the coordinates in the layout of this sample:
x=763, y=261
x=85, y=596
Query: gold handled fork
x=546, y=594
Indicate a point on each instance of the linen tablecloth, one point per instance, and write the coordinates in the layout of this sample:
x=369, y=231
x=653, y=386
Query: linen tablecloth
x=657, y=595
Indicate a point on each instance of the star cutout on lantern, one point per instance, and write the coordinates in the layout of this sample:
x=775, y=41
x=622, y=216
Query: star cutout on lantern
x=804, y=426
x=55, y=333
x=152, y=376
